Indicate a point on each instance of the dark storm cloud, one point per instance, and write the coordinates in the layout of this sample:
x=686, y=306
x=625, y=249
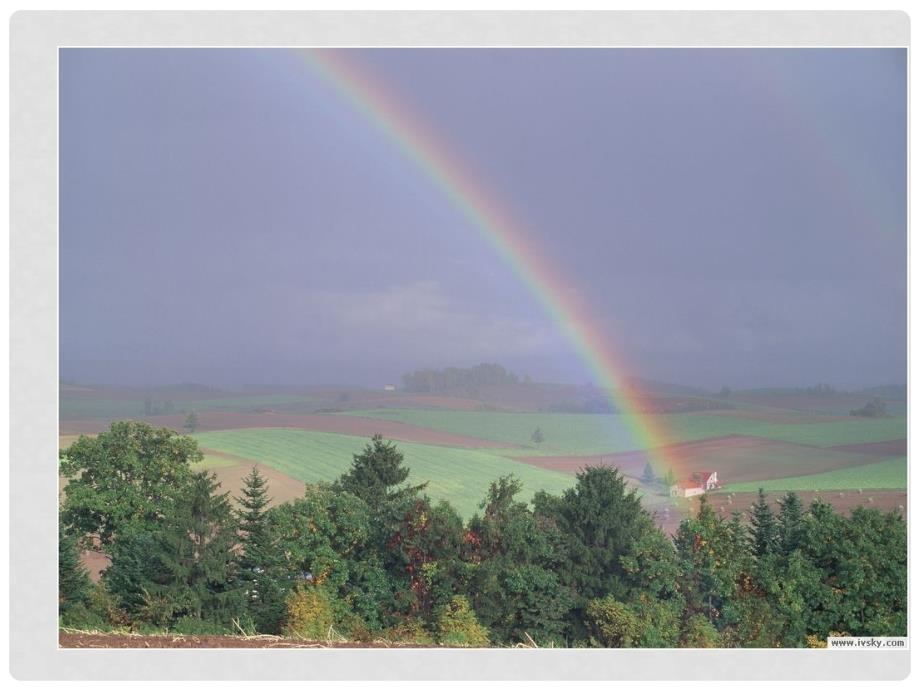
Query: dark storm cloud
x=732, y=216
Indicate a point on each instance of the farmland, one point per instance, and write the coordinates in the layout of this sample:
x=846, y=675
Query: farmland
x=888, y=474
x=778, y=440
x=588, y=434
x=457, y=474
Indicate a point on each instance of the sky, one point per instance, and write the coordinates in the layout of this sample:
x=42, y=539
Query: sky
x=729, y=216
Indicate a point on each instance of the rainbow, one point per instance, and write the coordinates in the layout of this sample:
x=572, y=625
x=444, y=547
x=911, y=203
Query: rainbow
x=496, y=224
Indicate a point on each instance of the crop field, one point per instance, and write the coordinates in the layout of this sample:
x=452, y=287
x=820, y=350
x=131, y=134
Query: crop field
x=888, y=474
x=592, y=434
x=735, y=458
x=459, y=475
x=778, y=441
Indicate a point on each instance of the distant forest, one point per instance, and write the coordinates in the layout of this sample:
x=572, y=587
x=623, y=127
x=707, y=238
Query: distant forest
x=456, y=381
x=370, y=557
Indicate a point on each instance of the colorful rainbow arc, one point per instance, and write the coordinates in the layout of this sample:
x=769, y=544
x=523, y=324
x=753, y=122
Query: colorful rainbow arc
x=496, y=225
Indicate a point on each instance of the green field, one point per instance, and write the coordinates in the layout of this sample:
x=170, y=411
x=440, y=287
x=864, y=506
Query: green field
x=458, y=475
x=590, y=434
x=889, y=474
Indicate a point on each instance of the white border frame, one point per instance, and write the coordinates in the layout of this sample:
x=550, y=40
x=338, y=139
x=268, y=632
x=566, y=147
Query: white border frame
x=34, y=40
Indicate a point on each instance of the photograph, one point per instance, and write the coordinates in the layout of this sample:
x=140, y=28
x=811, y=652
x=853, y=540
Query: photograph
x=482, y=347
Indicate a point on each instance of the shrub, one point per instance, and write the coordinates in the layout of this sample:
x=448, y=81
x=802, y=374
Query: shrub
x=611, y=623
x=190, y=625
x=308, y=613
x=81, y=617
x=699, y=633
x=409, y=631
x=457, y=626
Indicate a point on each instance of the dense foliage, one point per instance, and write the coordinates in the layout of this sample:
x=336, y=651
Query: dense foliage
x=371, y=557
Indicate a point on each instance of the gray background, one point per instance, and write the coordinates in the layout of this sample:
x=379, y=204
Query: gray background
x=35, y=38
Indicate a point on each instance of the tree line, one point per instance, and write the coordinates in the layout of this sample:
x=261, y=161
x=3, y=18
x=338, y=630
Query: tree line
x=371, y=556
x=457, y=381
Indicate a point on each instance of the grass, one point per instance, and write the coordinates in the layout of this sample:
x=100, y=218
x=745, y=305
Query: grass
x=888, y=474
x=460, y=476
x=590, y=434
x=212, y=462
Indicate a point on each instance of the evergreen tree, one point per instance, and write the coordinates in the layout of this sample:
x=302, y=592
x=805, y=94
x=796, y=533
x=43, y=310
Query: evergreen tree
x=791, y=525
x=376, y=473
x=648, y=475
x=598, y=520
x=258, y=565
x=74, y=585
x=537, y=436
x=252, y=516
x=763, y=529
x=183, y=566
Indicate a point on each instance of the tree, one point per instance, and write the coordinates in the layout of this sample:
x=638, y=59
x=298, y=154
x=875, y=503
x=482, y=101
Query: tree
x=182, y=566
x=874, y=409
x=598, y=519
x=611, y=623
x=74, y=585
x=763, y=529
x=258, y=563
x=456, y=625
x=537, y=436
x=715, y=564
x=376, y=473
x=130, y=473
x=670, y=480
x=513, y=587
x=191, y=422
x=791, y=527
x=648, y=475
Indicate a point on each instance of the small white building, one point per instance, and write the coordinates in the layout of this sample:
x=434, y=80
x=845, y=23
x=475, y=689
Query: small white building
x=686, y=490
x=389, y=387
x=700, y=483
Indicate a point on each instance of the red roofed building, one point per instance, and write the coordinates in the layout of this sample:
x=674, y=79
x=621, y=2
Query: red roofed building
x=699, y=483
x=708, y=480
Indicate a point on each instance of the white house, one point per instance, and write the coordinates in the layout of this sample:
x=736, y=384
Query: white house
x=389, y=387
x=686, y=490
x=700, y=483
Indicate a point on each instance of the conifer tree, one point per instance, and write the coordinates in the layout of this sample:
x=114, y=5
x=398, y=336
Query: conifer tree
x=376, y=473
x=763, y=527
x=184, y=566
x=259, y=562
x=73, y=581
x=791, y=523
